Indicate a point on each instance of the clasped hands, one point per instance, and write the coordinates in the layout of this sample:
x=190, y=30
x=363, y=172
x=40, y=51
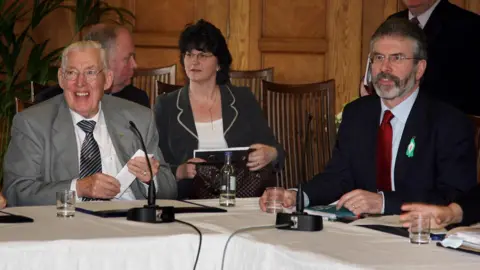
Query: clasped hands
x=357, y=201
x=103, y=186
x=257, y=159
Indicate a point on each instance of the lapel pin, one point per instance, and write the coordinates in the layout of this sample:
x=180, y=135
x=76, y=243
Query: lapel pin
x=411, y=147
x=120, y=134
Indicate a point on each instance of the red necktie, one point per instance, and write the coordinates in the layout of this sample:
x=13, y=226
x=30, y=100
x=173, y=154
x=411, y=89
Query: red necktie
x=384, y=153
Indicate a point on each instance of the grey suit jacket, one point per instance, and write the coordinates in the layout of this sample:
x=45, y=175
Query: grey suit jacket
x=42, y=156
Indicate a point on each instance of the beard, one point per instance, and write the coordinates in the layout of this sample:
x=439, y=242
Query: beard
x=400, y=87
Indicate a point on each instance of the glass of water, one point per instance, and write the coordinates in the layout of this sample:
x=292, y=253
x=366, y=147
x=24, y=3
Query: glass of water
x=66, y=203
x=275, y=199
x=419, y=230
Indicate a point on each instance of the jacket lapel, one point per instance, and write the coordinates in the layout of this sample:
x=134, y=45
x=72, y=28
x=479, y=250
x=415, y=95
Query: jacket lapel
x=64, y=140
x=373, y=115
x=414, y=129
x=119, y=130
x=185, y=114
x=229, y=110
x=435, y=23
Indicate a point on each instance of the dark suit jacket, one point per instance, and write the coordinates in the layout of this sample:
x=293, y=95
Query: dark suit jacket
x=442, y=168
x=129, y=92
x=470, y=204
x=243, y=123
x=453, y=56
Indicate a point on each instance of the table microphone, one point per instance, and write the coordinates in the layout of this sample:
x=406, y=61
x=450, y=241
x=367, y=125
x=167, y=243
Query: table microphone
x=150, y=212
x=301, y=220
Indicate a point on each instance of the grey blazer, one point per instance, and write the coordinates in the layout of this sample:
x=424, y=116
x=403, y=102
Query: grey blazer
x=42, y=156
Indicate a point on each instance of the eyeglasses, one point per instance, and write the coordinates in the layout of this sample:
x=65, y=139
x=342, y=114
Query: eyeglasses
x=394, y=59
x=200, y=56
x=89, y=74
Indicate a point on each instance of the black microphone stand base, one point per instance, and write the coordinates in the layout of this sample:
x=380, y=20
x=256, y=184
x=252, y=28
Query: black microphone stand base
x=301, y=222
x=152, y=214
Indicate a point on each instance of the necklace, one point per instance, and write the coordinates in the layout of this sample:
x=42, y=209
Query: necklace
x=210, y=110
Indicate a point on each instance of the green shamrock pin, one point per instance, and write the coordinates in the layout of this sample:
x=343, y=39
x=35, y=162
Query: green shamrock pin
x=411, y=147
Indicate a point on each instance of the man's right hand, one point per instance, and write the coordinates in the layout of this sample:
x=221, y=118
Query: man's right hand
x=289, y=199
x=99, y=186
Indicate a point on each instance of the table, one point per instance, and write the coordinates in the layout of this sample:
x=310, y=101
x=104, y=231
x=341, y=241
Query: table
x=89, y=242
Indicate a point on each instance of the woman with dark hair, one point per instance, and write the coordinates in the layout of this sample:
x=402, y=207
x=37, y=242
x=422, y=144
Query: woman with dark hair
x=210, y=113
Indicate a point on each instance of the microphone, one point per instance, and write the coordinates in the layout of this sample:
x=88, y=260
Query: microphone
x=301, y=221
x=151, y=185
x=150, y=212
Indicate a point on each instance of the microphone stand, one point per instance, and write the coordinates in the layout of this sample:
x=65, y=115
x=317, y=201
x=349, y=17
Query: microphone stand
x=150, y=213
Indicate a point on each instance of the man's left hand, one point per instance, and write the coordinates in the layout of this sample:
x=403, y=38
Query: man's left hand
x=360, y=201
x=139, y=167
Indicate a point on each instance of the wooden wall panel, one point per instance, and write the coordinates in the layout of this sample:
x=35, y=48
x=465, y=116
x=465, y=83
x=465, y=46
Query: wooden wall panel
x=167, y=16
x=238, y=34
x=281, y=18
x=343, y=61
x=294, y=47
x=286, y=66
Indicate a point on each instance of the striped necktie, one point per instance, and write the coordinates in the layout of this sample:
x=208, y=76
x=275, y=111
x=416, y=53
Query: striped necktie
x=90, y=159
x=415, y=21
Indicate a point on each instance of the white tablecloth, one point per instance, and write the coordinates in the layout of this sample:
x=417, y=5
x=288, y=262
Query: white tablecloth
x=89, y=242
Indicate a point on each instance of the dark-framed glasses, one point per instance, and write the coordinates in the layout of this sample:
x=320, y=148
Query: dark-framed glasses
x=201, y=56
x=394, y=59
x=89, y=74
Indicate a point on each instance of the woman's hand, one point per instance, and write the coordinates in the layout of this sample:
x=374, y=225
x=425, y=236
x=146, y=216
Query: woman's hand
x=188, y=170
x=3, y=201
x=261, y=156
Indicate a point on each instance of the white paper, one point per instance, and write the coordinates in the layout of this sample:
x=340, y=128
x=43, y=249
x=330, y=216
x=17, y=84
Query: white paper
x=125, y=177
x=232, y=149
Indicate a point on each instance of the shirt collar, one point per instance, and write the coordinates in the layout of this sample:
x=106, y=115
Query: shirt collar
x=77, y=117
x=402, y=110
x=423, y=18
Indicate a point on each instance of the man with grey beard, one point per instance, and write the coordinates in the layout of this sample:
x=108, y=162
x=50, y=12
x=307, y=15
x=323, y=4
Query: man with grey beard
x=400, y=146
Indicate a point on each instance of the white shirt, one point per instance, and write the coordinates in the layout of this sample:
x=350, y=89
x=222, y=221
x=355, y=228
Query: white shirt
x=400, y=113
x=210, y=135
x=423, y=18
x=110, y=162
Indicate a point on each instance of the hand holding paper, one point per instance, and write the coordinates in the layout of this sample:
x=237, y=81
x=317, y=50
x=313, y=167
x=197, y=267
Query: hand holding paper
x=126, y=177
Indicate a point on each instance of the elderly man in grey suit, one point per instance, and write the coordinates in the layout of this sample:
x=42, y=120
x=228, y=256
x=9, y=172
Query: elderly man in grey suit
x=80, y=140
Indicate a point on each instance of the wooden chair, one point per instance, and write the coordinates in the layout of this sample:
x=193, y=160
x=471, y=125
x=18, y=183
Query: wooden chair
x=146, y=79
x=164, y=88
x=36, y=88
x=476, y=123
x=302, y=118
x=21, y=105
x=252, y=79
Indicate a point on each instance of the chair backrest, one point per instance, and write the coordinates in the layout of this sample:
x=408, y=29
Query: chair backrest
x=476, y=123
x=146, y=79
x=21, y=105
x=36, y=88
x=164, y=88
x=252, y=79
x=302, y=118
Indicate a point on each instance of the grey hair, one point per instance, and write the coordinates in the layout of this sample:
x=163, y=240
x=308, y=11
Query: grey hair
x=396, y=27
x=82, y=45
x=106, y=35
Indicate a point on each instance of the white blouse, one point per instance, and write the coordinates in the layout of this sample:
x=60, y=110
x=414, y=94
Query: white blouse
x=210, y=135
